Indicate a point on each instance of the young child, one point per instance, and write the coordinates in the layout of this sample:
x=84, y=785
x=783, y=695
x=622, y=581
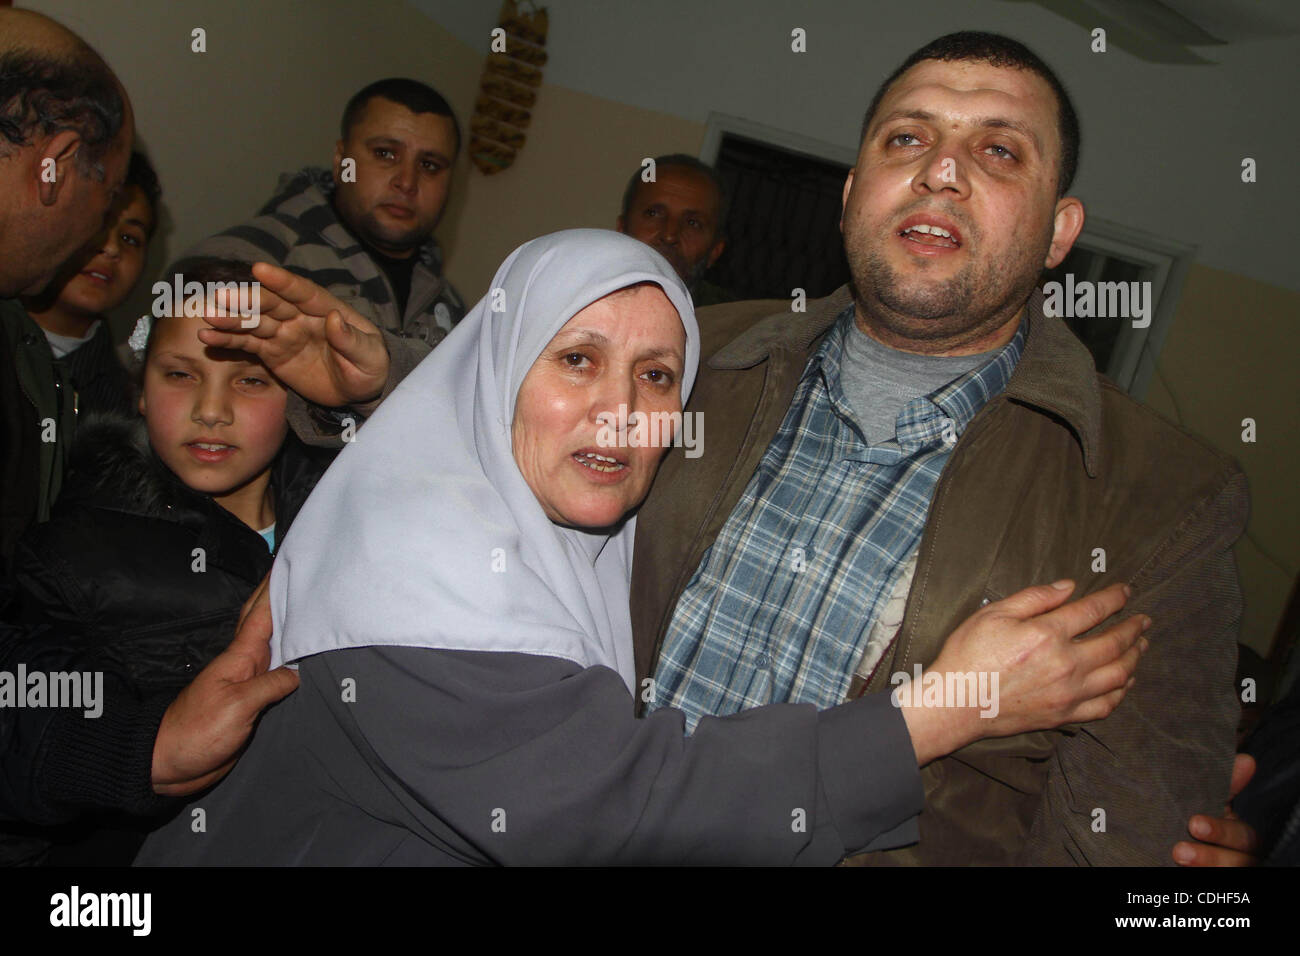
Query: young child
x=168, y=523
x=71, y=310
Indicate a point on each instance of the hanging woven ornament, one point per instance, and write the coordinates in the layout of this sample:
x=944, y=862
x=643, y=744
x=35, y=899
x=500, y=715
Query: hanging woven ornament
x=508, y=90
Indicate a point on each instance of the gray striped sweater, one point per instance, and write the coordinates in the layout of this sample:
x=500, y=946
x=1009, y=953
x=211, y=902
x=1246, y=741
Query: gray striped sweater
x=298, y=230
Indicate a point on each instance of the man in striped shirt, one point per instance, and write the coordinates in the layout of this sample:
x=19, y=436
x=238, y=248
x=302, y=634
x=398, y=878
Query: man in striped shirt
x=363, y=232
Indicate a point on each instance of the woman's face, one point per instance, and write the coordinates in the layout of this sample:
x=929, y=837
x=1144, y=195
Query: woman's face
x=572, y=442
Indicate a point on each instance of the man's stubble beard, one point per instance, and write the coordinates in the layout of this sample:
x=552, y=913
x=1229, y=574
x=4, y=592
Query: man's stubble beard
x=369, y=229
x=696, y=274
x=930, y=312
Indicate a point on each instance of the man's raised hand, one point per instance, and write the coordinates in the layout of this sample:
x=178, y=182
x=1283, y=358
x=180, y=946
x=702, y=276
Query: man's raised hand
x=310, y=340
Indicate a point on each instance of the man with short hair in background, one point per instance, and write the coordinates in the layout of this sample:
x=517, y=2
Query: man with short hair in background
x=363, y=232
x=681, y=214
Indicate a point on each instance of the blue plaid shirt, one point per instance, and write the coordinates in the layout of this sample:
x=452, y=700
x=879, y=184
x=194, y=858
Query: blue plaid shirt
x=788, y=592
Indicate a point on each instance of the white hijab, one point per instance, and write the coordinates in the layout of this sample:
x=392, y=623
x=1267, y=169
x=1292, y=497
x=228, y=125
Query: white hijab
x=423, y=533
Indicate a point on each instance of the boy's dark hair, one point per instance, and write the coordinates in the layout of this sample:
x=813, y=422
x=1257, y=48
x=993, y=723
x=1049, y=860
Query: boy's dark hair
x=203, y=269
x=415, y=96
x=686, y=162
x=1002, y=52
x=45, y=93
x=141, y=174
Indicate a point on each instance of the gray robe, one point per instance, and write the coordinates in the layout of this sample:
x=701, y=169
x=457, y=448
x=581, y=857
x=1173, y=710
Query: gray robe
x=415, y=756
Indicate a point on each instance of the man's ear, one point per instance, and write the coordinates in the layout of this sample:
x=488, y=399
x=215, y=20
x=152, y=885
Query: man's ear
x=1066, y=226
x=844, y=197
x=716, y=251
x=139, y=405
x=54, y=164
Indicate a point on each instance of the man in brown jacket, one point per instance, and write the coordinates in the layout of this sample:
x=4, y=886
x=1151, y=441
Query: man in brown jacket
x=955, y=206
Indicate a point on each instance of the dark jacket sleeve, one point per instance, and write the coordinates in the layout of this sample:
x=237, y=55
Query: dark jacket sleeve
x=534, y=760
x=1119, y=791
x=56, y=763
x=323, y=428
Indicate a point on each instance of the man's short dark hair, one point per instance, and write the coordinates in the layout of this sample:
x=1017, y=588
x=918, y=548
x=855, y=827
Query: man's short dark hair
x=1002, y=52
x=141, y=174
x=46, y=93
x=680, y=160
x=415, y=96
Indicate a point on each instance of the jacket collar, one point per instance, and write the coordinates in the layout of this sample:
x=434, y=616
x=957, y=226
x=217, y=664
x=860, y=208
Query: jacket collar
x=1055, y=374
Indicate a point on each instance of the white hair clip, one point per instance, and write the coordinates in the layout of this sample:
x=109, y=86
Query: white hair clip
x=140, y=336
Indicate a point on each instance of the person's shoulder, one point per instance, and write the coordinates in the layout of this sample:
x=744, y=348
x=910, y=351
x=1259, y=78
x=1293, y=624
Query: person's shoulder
x=118, y=546
x=1164, y=467
x=109, y=474
x=738, y=334
x=293, y=218
x=112, y=466
x=297, y=469
x=12, y=308
x=295, y=192
x=1137, y=431
x=722, y=324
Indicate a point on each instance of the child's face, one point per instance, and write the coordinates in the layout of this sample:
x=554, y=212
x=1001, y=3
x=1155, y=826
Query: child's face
x=109, y=267
x=215, y=416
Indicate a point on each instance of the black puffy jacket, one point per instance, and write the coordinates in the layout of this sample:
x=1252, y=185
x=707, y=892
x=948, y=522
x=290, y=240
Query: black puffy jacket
x=144, y=575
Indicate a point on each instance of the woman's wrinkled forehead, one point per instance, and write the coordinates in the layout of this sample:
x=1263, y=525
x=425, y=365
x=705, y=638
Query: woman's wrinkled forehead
x=611, y=320
x=544, y=283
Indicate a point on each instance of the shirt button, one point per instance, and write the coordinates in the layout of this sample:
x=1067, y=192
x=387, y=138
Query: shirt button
x=763, y=660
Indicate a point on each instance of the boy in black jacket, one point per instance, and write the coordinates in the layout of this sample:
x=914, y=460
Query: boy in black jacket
x=168, y=524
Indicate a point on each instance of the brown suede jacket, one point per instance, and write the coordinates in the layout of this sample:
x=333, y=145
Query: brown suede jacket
x=1061, y=463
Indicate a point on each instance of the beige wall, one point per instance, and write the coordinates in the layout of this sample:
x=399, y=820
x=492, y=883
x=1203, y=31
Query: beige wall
x=580, y=152
x=1230, y=355
x=267, y=95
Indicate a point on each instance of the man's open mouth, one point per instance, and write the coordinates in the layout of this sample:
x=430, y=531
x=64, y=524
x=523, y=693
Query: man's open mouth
x=930, y=236
x=930, y=231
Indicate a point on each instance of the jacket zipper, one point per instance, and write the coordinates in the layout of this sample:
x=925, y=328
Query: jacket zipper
x=438, y=283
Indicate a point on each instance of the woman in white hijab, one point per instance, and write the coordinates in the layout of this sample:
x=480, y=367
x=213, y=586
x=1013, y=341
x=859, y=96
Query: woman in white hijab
x=456, y=593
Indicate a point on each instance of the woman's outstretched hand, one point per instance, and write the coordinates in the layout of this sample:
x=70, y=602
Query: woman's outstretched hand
x=1031, y=672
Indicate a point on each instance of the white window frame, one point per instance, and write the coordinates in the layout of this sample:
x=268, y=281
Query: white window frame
x=1164, y=263
x=721, y=124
